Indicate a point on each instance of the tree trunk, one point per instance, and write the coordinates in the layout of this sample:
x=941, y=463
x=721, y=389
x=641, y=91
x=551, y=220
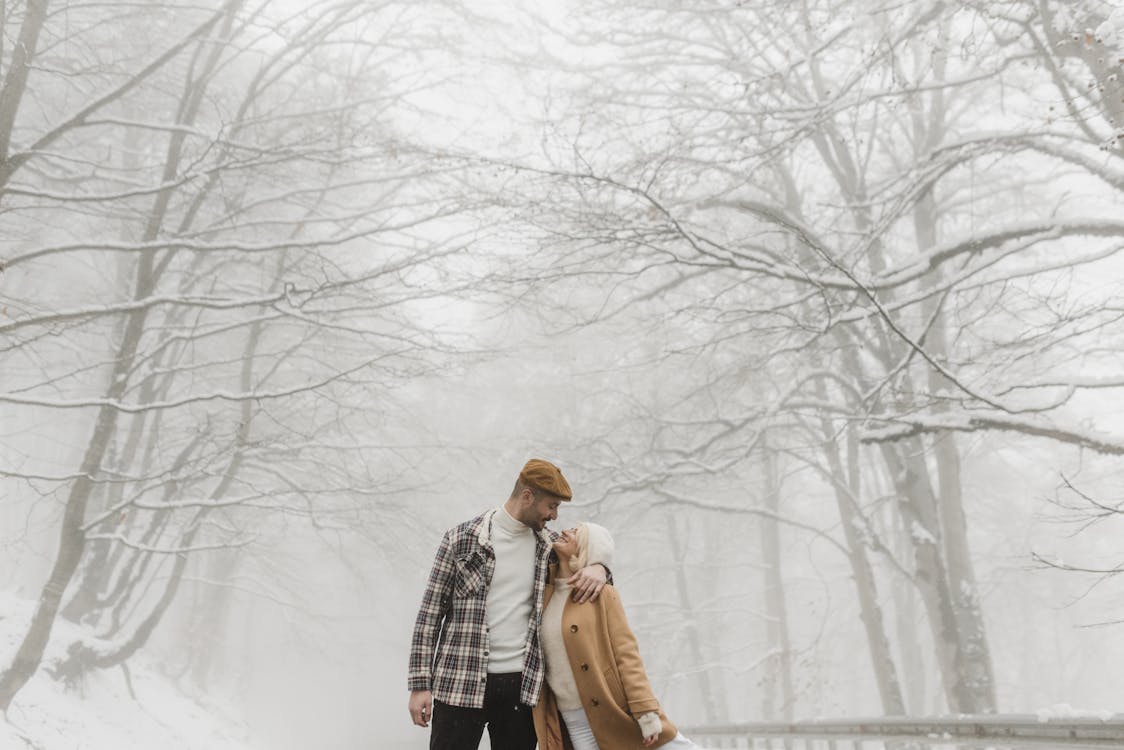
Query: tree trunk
x=209, y=615
x=71, y=534
x=15, y=82
x=1105, y=67
x=778, y=675
x=916, y=675
x=81, y=657
x=94, y=581
x=680, y=544
x=918, y=506
x=846, y=484
x=979, y=677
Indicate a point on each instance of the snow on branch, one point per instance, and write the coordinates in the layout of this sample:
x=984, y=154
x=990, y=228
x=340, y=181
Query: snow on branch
x=900, y=428
x=679, y=500
x=78, y=118
x=927, y=262
x=141, y=547
x=42, y=194
x=104, y=476
x=175, y=403
x=1047, y=142
x=211, y=303
x=1078, y=382
x=173, y=243
x=209, y=504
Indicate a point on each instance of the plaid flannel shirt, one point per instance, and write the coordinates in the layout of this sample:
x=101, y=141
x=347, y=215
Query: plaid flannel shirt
x=449, y=649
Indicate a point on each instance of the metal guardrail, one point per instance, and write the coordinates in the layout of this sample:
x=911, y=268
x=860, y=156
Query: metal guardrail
x=987, y=731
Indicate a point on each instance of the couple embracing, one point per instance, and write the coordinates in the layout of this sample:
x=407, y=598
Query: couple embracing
x=521, y=630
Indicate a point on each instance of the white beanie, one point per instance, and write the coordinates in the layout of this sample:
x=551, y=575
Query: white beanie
x=595, y=545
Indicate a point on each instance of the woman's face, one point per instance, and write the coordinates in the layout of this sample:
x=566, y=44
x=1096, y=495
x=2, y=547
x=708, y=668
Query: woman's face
x=567, y=544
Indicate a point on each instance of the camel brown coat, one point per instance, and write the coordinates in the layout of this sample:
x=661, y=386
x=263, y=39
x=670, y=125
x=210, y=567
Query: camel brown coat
x=610, y=676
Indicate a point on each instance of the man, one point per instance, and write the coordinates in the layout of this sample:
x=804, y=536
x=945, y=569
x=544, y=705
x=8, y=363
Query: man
x=484, y=600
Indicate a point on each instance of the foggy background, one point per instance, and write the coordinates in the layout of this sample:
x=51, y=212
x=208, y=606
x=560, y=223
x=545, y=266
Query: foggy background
x=816, y=304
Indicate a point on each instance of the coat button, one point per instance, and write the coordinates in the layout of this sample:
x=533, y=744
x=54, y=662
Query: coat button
x=585, y=667
x=573, y=628
x=595, y=702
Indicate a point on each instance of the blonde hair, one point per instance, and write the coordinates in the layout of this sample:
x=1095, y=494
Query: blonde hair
x=581, y=557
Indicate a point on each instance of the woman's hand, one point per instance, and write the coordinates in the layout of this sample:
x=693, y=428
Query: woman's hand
x=649, y=727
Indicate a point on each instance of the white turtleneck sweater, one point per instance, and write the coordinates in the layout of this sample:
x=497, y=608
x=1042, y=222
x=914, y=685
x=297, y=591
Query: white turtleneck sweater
x=558, y=673
x=511, y=592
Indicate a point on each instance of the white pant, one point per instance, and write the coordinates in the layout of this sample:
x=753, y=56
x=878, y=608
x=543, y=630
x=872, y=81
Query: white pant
x=581, y=734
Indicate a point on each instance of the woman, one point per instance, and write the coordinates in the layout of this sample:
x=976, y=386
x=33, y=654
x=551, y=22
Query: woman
x=595, y=681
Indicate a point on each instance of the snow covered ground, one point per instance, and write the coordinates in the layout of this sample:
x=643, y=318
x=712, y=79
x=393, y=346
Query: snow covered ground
x=101, y=714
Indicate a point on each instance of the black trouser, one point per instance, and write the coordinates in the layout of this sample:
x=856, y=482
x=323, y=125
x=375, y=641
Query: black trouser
x=509, y=722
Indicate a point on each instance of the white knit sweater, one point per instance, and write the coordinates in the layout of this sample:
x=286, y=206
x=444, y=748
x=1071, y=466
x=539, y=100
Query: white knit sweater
x=558, y=673
x=511, y=592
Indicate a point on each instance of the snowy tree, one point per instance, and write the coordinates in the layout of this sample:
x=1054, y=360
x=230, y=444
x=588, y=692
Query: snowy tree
x=233, y=223
x=871, y=256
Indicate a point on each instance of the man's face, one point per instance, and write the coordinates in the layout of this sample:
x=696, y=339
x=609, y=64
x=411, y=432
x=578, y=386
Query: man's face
x=539, y=510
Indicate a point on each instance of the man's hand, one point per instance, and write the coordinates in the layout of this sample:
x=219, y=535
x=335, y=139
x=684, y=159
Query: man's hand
x=588, y=582
x=421, y=707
